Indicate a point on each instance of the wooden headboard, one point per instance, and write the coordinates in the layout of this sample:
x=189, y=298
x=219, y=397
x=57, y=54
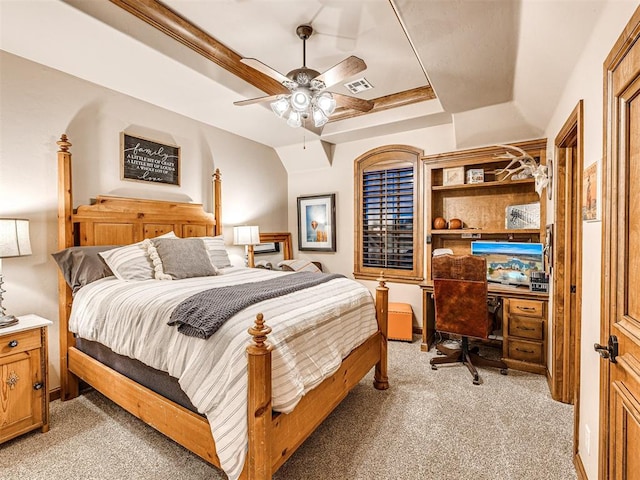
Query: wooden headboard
x=120, y=221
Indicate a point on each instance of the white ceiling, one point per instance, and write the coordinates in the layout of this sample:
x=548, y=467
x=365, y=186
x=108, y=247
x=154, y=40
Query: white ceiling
x=477, y=54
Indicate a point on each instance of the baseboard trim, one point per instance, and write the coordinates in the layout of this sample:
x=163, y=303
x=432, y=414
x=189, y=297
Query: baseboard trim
x=577, y=462
x=54, y=394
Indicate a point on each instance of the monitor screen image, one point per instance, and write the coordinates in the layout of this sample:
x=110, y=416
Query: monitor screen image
x=510, y=263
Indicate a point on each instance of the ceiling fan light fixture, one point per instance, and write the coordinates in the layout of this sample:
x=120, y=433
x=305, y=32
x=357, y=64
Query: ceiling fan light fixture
x=300, y=100
x=326, y=103
x=294, y=119
x=319, y=117
x=280, y=106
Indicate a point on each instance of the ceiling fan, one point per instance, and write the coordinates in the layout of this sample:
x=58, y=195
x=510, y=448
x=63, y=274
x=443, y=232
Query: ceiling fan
x=307, y=94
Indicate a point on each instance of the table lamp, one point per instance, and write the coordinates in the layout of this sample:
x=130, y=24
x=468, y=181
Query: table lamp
x=247, y=235
x=14, y=242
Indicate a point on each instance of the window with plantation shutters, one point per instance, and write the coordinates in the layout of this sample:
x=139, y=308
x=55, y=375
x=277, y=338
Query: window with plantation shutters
x=387, y=218
x=388, y=225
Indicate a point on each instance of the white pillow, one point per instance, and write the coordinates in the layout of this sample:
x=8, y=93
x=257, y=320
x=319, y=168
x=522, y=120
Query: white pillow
x=132, y=262
x=217, y=251
x=298, y=266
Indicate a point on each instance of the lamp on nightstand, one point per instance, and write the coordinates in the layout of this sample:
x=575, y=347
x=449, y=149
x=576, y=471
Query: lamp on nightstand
x=14, y=242
x=247, y=235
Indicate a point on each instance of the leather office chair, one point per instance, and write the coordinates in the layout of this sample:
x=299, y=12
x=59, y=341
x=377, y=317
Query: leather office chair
x=460, y=296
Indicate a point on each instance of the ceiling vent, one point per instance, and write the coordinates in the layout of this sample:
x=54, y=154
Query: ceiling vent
x=359, y=85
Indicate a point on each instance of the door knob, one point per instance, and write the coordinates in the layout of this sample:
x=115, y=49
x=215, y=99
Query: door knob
x=610, y=351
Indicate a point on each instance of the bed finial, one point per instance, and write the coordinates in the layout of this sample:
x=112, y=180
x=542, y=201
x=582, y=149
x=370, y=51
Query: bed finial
x=259, y=331
x=381, y=280
x=217, y=175
x=64, y=143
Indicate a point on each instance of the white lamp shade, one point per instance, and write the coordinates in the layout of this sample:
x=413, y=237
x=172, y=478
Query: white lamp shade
x=14, y=237
x=246, y=235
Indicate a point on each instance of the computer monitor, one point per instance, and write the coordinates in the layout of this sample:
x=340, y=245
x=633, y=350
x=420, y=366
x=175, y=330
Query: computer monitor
x=510, y=263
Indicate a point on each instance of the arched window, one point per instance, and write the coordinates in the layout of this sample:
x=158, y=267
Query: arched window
x=388, y=210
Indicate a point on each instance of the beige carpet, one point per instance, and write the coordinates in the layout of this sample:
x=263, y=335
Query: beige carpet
x=431, y=425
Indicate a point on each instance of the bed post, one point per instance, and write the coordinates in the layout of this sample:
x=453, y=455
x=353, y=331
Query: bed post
x=68, y=381
x=217, y=201
x=258, y=465
x=381, y=380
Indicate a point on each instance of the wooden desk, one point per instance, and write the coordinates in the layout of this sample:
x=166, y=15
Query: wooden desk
x=524, y=325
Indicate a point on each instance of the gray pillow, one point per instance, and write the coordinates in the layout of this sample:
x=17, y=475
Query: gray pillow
x=82, y=265
x=184, y=257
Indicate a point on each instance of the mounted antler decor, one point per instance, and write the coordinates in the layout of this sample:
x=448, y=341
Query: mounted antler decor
x=523, y=166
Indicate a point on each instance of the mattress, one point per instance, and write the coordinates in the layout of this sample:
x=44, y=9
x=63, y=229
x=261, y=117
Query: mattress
x=313, y=330
x=160, y=382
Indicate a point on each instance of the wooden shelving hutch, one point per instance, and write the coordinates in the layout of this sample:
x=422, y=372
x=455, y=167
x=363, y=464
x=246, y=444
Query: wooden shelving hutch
x=480, y=206
x=482, y=209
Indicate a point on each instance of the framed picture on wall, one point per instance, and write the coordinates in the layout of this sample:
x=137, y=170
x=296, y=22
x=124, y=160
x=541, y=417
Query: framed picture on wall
x=144, y=160
x=317, y=223
x=591, y=192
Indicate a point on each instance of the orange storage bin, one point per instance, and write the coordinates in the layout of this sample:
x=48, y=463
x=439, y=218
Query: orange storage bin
x=400, y=322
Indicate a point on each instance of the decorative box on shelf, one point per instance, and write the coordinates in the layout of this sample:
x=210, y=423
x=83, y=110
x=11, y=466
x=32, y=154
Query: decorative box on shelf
x=475, y=175
x=453, y=176
x=522, y=216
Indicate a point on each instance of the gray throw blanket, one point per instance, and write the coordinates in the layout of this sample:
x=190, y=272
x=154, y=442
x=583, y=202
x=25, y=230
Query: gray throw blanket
x=202, y=314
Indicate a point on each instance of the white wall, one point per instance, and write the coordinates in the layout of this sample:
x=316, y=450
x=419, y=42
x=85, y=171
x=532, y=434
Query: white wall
x=586, y=82
x=39, y=104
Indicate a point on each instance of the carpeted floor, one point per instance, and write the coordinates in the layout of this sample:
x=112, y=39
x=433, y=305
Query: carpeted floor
x=431, y=425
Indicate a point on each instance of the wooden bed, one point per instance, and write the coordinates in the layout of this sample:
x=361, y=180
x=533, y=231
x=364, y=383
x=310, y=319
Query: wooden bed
x=273, y=437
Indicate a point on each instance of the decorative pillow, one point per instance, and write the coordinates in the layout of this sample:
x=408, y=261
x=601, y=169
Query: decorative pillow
x=217, y=251
x=131, y=262
x=298, y=266
x=183, y=258
x=82, y=265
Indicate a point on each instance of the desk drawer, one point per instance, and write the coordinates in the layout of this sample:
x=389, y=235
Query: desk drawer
x=22, y=341
x=526, y=327
x=525, y=351
x=519, y=306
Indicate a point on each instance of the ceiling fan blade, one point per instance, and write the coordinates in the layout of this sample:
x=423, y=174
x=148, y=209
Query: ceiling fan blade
x=266, y=69
x=346, y=68
x=352, y=102
x=251, y=101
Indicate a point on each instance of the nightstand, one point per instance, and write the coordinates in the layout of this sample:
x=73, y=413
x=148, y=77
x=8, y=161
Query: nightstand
x=24, y=389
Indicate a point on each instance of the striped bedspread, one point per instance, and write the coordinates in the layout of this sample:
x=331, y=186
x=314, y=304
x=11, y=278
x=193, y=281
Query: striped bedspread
x=313, y=330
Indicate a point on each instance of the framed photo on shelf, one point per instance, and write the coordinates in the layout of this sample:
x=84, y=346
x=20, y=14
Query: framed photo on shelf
x=453, y=176
x=270, y=247
x=316, y=223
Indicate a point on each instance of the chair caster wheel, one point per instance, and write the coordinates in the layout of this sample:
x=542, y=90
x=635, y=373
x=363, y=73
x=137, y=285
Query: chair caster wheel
x=503, y=371
x=433, y=367
x=476, y=382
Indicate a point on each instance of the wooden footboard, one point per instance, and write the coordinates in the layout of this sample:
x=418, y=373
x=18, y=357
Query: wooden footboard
x=272, y=437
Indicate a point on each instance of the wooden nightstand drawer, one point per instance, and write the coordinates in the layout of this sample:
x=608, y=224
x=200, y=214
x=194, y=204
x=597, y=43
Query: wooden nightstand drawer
x=24, y=377
x=526, y=351
x=519, y=306
x=17, y=342
x=526, y=327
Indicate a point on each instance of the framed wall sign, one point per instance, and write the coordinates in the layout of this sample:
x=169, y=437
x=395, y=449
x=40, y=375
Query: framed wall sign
x=317, y=223
x=145, y=160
